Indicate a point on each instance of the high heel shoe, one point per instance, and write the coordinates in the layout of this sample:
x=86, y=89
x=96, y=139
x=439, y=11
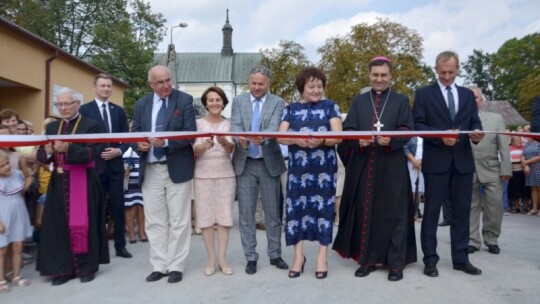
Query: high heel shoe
x=322, y=274
x=225, y=270
x=209, y=271
x=295, y=274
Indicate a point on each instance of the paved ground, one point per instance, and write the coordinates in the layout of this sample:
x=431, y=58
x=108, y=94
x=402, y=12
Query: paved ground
x=511, y=277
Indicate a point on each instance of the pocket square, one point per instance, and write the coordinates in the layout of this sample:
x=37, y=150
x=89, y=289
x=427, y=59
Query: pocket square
x=177, y=112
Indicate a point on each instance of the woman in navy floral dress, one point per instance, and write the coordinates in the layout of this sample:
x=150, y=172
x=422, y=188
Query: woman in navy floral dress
x=311, y=181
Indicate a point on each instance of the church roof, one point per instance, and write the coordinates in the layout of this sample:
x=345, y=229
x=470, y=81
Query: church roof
x=213, y=67
x=507, y=111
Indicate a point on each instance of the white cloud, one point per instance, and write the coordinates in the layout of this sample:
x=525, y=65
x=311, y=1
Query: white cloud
x=460, y=25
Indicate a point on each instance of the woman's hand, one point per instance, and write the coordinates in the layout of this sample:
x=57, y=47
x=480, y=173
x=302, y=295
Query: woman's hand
x=527, y=170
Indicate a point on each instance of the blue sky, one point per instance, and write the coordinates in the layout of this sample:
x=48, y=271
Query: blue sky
x=459, y=25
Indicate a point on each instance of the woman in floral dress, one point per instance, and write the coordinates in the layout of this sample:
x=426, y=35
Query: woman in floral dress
x=311, y=182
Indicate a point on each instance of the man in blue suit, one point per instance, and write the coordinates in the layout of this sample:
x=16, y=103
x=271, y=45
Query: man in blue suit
x=165, y=173
x=448, y=163
x=110, y=166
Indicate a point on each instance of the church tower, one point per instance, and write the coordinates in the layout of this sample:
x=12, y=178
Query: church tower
x=227, y=29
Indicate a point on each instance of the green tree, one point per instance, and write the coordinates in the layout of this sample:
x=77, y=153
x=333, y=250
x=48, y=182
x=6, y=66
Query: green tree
x=344, y=59
x=127, y=49
x=117, y=36
x=529, y=88
x=512, y=64
x=285, y=62
x=478, y=72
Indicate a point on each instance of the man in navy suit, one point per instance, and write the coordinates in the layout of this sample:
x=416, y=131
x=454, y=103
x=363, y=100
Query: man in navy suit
x=165, y=173
x=448, y=163
x=110, y=165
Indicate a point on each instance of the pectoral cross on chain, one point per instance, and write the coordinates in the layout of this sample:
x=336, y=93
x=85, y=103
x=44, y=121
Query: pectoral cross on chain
x=378, y=125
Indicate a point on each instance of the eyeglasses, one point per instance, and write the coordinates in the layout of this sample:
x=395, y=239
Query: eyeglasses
x=262, y=70
x=161, y=82
x=65, y=104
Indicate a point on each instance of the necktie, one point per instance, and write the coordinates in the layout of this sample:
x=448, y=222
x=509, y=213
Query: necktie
x=160, y=121
x=255, y=122
x=451, y=102
x=105, y=118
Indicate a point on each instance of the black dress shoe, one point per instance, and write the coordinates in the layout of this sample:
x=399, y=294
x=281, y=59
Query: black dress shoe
x=494, y=249
x=88, y=278
x=279, y=263
x=175, y=277
x=155, y=276
x=472, y=249
x=364, y=270
x=251, y=267
x=468, y=268
x=132, y=241
x=123, y=253
x=395, y=275
x=431, y=271
x=61, y=280
x=444, y=223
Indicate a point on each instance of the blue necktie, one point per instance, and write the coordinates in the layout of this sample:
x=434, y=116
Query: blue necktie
x=160, y=121
x=451, y=102
x=255, y=122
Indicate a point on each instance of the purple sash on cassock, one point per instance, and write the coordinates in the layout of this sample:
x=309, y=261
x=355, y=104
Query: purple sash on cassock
x=78, y=207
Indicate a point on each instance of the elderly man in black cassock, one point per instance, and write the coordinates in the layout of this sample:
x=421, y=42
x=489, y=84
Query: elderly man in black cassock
x=73, y=237
x=377, y=212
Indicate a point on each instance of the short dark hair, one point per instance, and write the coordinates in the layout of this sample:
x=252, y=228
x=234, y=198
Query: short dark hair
x=8, y=113
x=101, y=76
x=306, y=74
x=218, y=91
x=380, y=62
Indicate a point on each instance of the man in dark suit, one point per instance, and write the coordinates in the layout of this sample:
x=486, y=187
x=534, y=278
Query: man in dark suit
x=258, y=165
x=448, y=163
x=165, y=173
x=110, y=165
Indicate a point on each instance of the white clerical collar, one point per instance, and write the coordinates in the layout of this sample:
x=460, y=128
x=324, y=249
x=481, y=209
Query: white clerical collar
x=72, y=118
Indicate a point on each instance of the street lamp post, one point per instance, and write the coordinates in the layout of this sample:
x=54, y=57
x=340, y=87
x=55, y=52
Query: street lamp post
x=171, y=55
x=182, y=25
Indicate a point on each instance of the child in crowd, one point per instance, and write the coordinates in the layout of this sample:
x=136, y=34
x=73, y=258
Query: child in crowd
x=14, y=222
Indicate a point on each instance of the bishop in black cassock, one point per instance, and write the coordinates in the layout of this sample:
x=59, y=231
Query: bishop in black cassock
x=377, y=211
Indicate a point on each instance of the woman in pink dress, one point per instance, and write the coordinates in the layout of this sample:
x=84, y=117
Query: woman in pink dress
x=214, y=183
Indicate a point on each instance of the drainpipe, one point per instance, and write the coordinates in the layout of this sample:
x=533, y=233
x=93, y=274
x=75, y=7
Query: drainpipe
x=48, y=83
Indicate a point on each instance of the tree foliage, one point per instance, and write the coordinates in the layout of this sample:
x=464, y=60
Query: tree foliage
x=478, y=72
x=344, y=59
x=117, y=36
x=512, y=66
x=285, y=62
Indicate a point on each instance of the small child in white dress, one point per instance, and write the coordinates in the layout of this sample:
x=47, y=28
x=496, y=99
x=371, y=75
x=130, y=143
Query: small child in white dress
x=14, y=221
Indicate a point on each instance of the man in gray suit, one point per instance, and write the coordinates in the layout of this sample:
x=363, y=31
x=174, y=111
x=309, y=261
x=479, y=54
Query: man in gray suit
x=258, y=164
x=165, y=173
x=492, y=162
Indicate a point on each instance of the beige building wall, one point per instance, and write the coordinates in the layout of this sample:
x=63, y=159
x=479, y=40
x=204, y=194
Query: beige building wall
x=23, y=75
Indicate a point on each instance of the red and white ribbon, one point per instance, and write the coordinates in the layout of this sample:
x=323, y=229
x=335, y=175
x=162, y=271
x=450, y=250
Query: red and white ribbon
x=7, y=141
